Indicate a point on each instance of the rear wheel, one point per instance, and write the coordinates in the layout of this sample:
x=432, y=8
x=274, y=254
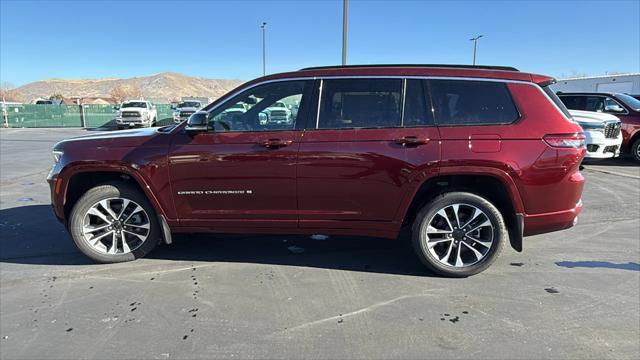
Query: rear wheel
x=458, y=234
x=114, y=223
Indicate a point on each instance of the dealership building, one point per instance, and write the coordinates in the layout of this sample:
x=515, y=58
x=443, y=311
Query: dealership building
x=624, y=83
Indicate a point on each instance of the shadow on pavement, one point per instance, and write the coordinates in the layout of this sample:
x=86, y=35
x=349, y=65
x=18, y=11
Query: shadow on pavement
x=32, y=235
x=620, y=161
x=599, y=264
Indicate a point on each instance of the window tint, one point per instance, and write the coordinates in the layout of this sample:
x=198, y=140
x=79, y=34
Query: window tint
x=266, y=107
x=463, y=102
x=360, y=103
x=595, y=103
x=416, y=112
x=574, y=102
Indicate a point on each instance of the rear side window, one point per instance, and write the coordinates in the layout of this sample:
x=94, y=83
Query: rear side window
x=466, y=102
x=415, y=105
x=360, y=103
x=574, y=102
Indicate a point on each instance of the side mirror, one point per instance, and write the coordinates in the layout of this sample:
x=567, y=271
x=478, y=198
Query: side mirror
x=173, y=107
x=116, y=107
x=615, y=108
x=198, y=122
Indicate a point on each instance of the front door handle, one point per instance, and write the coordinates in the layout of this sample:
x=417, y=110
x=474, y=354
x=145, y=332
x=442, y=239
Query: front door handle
x=411, y=141
x=275, y=143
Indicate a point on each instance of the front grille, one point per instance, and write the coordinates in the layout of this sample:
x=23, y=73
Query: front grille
x=278, y=113
x=610, y=149
x=186, y=113
x=592, y=148
x=130, y=114
x=612, y=130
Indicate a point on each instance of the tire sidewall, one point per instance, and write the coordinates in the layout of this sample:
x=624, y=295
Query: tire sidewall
x=103, y=192
x=419, y=237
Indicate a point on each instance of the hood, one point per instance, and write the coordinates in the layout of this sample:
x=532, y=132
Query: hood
x=592, y=117
x=187, y=109
x=112, y=139
x=133, y=109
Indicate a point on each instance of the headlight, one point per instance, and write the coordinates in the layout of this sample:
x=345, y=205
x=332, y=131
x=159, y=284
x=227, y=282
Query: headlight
x=57, y=155
x=592, y=127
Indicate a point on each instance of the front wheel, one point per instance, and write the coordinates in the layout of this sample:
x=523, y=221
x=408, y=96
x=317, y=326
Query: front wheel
x=635, y=150
x=458, y=234
x=114, y=223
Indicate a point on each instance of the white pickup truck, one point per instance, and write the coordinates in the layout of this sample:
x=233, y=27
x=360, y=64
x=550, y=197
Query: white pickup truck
x=136, y=113
x=602, y=132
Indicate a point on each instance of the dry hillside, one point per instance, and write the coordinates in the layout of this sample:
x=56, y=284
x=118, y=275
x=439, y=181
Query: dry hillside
x=159, y=87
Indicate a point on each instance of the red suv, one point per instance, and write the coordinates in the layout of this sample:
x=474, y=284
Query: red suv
x=466, y=157
x=624, y=106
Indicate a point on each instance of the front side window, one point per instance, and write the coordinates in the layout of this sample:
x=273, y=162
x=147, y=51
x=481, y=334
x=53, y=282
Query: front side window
x=595, y=103
x=360, y=103
x=467, y=102
x=267, y=107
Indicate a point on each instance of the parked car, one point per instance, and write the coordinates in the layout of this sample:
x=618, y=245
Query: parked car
x=466, y=158
x=185, y=109
x=136, y=113
x=625, y=107
x=602, y=133
x=278, y=113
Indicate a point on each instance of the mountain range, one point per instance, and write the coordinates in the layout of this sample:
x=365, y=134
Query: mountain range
x=158, y=87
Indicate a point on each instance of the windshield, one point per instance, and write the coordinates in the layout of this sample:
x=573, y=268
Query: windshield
x=630, y=101
x=137, y=104
x=194, y=104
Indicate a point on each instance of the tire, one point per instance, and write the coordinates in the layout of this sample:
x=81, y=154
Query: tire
x=137, y=224
x=434, y=255
x=153, y=122
x=635, y=150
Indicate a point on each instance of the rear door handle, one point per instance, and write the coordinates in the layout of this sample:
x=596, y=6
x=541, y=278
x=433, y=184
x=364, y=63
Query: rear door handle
x=275, y=143
x=411, y=141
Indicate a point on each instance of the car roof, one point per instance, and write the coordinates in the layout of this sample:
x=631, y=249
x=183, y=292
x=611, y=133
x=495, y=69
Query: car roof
x=478, y=71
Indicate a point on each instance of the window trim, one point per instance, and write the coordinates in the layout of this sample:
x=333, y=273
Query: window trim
x=209, y=108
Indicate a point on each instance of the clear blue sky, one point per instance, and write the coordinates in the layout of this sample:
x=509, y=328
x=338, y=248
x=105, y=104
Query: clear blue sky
x=76, y=39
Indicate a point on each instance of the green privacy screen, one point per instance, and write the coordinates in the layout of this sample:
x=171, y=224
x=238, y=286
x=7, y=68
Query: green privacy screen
x=95, y=116
x=31, y=116
x=99, y=115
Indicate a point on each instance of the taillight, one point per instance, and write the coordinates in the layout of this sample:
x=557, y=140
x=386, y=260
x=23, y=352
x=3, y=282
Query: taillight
x=565, y=140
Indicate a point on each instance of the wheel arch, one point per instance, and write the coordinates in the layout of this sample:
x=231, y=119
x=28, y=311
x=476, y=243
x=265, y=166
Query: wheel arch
x=82, y=178
x=496, y=187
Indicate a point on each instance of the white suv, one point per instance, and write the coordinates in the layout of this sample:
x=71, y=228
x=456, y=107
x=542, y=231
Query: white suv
x=602, y=132
x=136, y=113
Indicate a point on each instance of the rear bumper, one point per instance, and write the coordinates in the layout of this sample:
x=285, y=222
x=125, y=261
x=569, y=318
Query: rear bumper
x=553, y=221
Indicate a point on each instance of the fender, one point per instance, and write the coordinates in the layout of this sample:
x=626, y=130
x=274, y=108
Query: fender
x=76, y=168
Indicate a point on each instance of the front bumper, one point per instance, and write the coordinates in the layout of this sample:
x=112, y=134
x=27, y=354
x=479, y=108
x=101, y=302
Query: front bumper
x=600, y=147
x=131, y=121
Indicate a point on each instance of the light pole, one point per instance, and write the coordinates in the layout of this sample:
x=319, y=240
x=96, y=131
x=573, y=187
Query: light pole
x=475, y=46
x=345, y=8
x=264, y=51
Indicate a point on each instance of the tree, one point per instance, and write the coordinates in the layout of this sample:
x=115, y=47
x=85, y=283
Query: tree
x=123, y=92
x=56, y=96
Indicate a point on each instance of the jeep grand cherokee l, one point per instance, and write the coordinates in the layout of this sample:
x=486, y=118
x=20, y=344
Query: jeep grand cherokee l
x=467, y=158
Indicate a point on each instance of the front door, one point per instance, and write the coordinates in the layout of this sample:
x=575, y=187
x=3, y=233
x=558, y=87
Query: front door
x=242, y=172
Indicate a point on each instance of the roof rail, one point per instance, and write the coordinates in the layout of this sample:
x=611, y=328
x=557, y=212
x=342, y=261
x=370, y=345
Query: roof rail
x=455, y=66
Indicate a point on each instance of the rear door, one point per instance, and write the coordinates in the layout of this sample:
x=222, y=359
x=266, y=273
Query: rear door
x=362, y=152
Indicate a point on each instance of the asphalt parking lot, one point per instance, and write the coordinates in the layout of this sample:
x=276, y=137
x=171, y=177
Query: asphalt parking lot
x=571, y=294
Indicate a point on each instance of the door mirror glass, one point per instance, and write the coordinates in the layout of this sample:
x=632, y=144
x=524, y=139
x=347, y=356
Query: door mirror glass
x=198, y=122
x=614, y=108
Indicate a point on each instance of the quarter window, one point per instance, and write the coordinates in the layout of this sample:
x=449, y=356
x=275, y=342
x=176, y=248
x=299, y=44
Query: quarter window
x=466, y=102
x=267, y=107
x=360, y=103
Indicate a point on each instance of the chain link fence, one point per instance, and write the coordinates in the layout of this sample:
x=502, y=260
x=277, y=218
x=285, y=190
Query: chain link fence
x=55, y=116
